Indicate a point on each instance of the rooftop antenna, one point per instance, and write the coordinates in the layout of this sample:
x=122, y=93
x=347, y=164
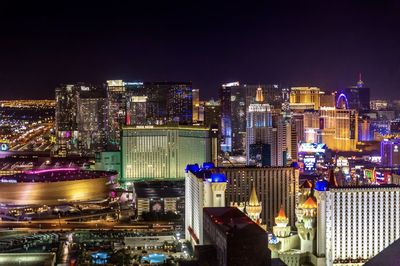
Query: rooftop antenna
x=360, y=83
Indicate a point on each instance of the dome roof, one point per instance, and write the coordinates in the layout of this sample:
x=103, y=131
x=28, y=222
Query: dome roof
x=321, y=185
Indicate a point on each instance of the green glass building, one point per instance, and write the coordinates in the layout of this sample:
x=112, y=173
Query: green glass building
x=162, y=152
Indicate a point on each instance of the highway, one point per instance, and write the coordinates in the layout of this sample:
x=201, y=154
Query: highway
x=55, y=225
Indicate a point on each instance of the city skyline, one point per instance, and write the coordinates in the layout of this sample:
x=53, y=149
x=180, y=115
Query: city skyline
x=316, y=44
x=183, y=133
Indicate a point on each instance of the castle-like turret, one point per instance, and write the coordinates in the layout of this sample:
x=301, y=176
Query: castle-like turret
x=253, y=207
x=281, y=229
x=306, y=223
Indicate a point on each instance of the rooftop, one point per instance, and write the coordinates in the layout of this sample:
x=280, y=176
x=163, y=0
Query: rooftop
x=54, y=175
x=207, y=172
x=167, y=127
x=367, y=187
x=160, y=189
x=231, y=220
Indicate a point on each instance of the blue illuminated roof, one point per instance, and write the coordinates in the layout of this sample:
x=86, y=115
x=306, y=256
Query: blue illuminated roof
x=217, y=177
x=194, y=168
x=295, y=165
x=207, y=172
x=322, y=185
x=208, y=165
x=273, y=240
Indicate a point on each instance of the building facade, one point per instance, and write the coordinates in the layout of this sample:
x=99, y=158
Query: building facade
x=237, y=239
x=258, y=131
x=204, y=187
x=360, y=222
x=275, y=187
x=355, y=97
x=235, y=101
x=390, y=152
x=304, y=98
x=162, y=152
x=81, y=120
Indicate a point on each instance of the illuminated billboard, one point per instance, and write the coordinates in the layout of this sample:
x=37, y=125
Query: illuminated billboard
x=310, y=163
x=312, y=147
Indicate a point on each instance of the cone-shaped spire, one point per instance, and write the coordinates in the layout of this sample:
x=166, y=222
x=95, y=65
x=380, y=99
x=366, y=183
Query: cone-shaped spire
x=310, y=203
x=282, y=213
x=253, y=201
x=281, y=220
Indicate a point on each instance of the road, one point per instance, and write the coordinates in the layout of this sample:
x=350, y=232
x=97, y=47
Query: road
x=93, y=225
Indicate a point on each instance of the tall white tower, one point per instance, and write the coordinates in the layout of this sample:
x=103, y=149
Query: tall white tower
x=259, y=124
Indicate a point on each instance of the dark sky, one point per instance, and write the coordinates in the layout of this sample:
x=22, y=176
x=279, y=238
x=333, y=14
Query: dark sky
x=319, y=43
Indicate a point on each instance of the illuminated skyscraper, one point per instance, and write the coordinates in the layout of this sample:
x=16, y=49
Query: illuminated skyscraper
x=356, y=97
x=147, y=103
x=364, y=129
x=162, y=152
x=337, y=128
x=137, y=111
x=304, y=98
x=274, y=95
x=179, y=101
x=346, y=130
x=390, y=152
x=327, y=99
x=311, y=126
x=196, y=105
x=235, y=101
x=81, y=120
x=66, y=120
x=233, y=117
x=92, y=119
x=258, y=130
x=116, y=107
x=211, y=113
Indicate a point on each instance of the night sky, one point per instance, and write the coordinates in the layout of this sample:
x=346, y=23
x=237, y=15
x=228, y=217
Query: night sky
x=315, y=43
